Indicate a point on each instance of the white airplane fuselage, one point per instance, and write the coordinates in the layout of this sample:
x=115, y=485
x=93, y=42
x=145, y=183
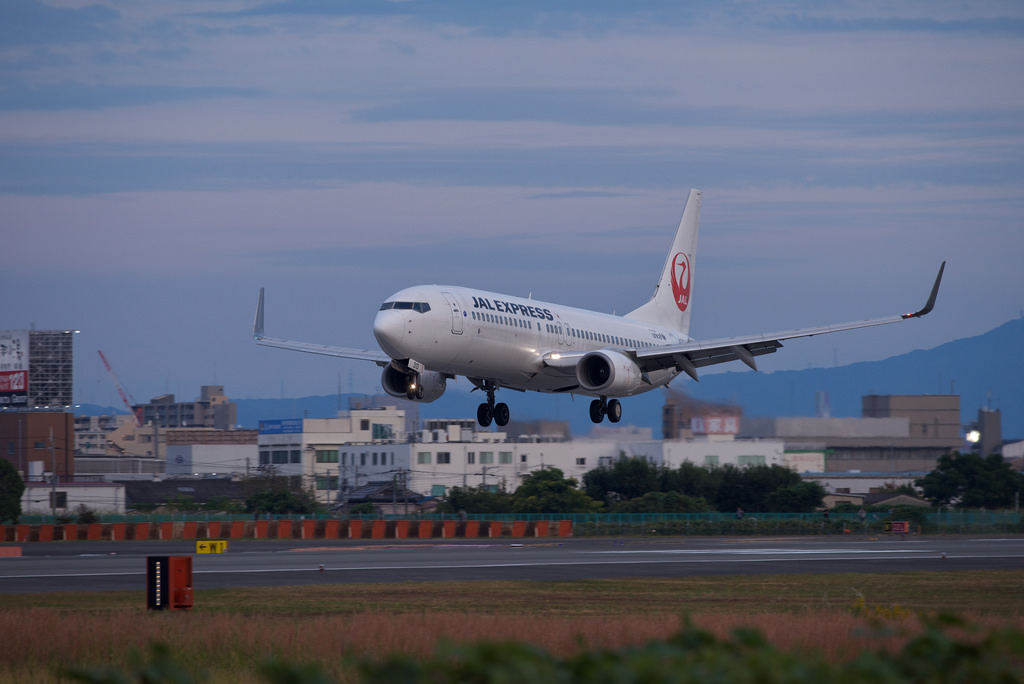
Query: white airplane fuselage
x=511, y=341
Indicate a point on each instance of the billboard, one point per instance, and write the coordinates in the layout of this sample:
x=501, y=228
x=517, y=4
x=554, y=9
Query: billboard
x=13, y=368
x=715, y=425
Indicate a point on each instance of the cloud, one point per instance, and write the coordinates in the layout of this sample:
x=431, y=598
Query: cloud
x=28, y=22
x=72, y=95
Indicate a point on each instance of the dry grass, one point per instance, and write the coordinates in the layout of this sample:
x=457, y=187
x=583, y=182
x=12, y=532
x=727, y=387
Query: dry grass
x=230, y=632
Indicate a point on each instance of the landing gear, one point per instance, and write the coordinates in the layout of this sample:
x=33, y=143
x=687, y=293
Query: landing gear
x=489, y=411
x=599, y=408
x=414, y=391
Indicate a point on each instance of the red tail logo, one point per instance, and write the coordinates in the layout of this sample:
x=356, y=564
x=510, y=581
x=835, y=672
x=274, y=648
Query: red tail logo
x=681, y=280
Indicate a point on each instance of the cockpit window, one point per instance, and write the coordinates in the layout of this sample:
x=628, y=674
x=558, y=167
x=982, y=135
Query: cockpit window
x=419, y=307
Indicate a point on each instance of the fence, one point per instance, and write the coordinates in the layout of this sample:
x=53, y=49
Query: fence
x=646, y=524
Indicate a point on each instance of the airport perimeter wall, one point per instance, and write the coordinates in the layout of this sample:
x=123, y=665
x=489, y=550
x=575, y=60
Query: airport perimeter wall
x=284, y=529
x=155, y=527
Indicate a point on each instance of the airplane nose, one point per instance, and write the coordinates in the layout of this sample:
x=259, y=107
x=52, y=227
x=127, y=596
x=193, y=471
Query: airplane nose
x=389, y=329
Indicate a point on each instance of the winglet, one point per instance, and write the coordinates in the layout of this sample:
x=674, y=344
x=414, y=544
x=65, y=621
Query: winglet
x=257, y=324
x=930, y=304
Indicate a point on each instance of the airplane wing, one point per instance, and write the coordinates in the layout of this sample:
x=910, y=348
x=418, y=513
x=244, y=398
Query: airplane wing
x=690, y=356
x=378, y=357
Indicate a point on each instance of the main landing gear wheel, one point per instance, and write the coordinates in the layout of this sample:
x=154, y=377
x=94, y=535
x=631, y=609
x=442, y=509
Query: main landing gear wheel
x=483, y=415
x=614, y=411
x=599, y=408
x=489, y=411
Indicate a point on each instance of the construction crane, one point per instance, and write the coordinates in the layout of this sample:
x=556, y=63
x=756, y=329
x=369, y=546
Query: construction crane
x=120, y=390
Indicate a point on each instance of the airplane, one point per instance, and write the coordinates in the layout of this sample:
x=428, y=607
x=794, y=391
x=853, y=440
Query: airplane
x=430, y=334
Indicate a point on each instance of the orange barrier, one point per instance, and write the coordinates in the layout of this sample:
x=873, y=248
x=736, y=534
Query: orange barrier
x=541, y=528
x=401, y=529
x=117, y=532
x=472, y=528
x=519, y=528
x=259, y=529
x=237, y=529
x=309, y=529
x=166, y=530
x=426, y=530
x=355, y=529
x=21, y=533
x=331, y=529
x=10, y=551
x=379, y=529
x=213, y=529
x=189, y=529
x=496, y=529
x=69, y=532
x=94, y=531
x=564, y=528
x=45, y=533
x=284, y=529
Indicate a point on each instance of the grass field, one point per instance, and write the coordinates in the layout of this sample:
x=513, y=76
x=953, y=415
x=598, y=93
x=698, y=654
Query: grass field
x=230, y=632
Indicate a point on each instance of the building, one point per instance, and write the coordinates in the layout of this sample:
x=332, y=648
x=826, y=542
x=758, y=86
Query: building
x=683, y=417
x=39, y=443
x=897, y=433
x=65, y=497
x=212, y=410
x=169, y=492
x=333, y=455
x=206, y=451
x=340, y=456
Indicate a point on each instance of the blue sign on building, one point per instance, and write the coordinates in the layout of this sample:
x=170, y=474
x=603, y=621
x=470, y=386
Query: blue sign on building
x=290, y=426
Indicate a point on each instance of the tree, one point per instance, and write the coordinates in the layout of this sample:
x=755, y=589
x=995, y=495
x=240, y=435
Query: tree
x=627, y=478
x=549, y=491
x=282, y=501
x=803, y=497
x=970, y=481
x=11, y=489
x=663, y=502
x=476, y=500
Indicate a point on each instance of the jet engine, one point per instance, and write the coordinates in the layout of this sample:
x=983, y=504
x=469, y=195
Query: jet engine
x=426, y=386
x=609, y=373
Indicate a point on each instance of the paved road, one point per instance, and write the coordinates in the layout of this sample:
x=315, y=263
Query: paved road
x=111, y=566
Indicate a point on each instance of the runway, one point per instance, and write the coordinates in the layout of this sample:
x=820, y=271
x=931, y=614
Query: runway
x=114, y=566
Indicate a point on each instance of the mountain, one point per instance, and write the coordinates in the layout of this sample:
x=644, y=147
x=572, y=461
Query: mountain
x=986, y=371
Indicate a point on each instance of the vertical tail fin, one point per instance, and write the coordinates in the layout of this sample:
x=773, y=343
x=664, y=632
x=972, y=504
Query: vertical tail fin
x=673, y=295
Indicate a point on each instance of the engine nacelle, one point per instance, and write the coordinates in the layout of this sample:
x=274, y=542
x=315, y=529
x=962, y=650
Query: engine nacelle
x=429, y=386
x=609, y=373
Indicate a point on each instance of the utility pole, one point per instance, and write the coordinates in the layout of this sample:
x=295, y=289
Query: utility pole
x=483, y=471
x=53, y=478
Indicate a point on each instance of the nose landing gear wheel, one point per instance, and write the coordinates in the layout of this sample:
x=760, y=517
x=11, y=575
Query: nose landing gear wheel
x=414, y=392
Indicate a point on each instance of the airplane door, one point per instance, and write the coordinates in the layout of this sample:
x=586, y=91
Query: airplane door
x=564, y=336
x=456, y=310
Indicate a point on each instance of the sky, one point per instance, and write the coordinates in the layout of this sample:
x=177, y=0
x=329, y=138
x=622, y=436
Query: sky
x=160, y=162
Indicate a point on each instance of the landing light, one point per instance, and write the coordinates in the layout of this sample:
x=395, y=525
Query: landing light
x=973, y=436
x=556, y=356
